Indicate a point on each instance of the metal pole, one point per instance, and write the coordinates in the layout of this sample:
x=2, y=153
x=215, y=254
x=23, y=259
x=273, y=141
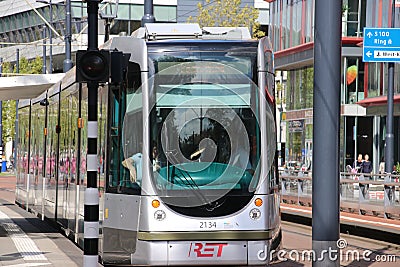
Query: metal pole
x=16, y=117
x=148, y=16
x=355, y=130
x=44, y=50
x=389, y=145
x=1, y=121
x=91, y=208
x=51, y=39
x=327, y=84
x=129, y=22
x=67, y=64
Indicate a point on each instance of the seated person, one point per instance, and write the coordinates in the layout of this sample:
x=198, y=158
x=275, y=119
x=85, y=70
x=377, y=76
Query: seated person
x=134, y=165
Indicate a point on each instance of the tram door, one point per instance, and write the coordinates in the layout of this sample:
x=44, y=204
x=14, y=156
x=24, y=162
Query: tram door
x=64, y=160
x=72, y=189
x=32, y=184
x=22, y=155
x=37, y=149
x=51, y=155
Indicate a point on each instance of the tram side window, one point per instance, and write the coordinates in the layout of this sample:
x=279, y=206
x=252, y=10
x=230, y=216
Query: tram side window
x=126, y=134
x=271, y=130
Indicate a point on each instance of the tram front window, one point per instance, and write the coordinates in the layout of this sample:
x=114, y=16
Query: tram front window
x=205, y=132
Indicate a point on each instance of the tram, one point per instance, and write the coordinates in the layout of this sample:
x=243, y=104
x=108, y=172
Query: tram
x=187, y=173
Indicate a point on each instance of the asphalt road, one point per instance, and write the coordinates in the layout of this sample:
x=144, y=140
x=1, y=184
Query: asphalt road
x=53, y=249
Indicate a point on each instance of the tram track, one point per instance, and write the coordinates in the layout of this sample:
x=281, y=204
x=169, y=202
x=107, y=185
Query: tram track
x=351, y=224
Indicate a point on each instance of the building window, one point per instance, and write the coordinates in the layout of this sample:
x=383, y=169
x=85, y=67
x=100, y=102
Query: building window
x=354, y=16
x=300, y=88
x=378, y=13
x=354, y=79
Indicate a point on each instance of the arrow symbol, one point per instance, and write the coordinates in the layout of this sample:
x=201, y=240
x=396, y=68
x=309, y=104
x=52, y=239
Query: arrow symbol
x=369, y=34
x=369, y=54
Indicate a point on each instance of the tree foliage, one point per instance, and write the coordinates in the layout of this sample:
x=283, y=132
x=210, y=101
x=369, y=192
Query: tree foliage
x=227, y=13
x=25, y=67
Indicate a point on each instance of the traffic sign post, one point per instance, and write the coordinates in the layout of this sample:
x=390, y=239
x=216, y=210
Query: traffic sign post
x=381, y=45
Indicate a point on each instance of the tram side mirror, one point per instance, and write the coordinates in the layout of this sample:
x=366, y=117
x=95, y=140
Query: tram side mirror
x=119, y=66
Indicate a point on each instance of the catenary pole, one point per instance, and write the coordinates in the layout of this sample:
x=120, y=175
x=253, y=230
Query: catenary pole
x=16, y=115
x=148, y=16
x=327, y=84
x=50, y=69
x=1, y=121
x=91, y=208
x=67, y=64
x=389, y=143
x=44, y=67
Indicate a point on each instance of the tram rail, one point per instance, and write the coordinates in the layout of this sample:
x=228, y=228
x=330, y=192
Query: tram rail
x=372, y=194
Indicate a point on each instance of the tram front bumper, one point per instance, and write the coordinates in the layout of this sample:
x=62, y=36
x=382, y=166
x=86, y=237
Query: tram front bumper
x=174, y=253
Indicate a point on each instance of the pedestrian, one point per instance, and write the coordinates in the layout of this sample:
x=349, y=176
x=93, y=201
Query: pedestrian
x=382, y=166
x=357, y=164
x=366, y=166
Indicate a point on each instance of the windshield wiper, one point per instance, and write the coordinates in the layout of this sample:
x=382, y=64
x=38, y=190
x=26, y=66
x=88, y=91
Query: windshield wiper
x=190, y=182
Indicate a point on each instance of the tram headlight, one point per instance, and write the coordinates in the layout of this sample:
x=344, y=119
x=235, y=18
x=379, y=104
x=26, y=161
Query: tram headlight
x=258, y=202
x=159, y=215
x=255, y=214
x=155, y=203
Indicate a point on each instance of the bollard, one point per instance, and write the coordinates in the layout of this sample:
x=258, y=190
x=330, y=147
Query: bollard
x=284, y=187
x=363, y=193
x=300, y=187
x=285, y=183
x=389, y=196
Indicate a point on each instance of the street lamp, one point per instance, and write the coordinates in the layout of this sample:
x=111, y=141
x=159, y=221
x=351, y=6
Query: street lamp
x=108, y=18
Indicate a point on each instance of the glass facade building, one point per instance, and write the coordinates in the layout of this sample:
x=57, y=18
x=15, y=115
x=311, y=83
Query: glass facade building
x=363, y=85
x=24, y=22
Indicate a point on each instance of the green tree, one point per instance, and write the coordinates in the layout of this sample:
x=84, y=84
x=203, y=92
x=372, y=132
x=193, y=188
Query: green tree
x=26, y=67
x=227, y=13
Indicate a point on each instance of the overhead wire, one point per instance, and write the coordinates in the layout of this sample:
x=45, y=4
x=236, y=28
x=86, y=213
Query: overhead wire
x=44, y=19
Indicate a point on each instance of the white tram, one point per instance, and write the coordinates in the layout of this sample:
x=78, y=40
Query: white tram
x=186, y=151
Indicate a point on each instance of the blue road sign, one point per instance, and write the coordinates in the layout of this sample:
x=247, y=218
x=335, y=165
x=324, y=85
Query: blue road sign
x=381, y=45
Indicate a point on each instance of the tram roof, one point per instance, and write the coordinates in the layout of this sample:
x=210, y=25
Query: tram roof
x=27, y=86
x=165, y=31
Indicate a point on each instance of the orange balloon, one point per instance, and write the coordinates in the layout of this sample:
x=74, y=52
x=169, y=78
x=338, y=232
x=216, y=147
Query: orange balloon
x=351, y=74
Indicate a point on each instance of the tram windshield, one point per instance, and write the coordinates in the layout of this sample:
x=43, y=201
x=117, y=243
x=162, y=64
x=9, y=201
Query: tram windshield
x=204, y=130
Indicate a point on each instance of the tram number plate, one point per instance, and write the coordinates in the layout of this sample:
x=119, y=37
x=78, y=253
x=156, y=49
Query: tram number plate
x=208, y=225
